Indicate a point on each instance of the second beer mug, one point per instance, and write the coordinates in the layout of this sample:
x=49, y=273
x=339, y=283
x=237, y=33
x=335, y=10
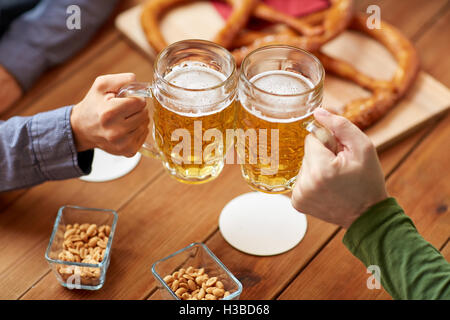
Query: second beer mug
x=193, y=92
x=279, y=88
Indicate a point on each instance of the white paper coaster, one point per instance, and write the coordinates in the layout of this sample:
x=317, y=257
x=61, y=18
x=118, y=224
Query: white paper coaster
x=106, y=167
x=262, y=224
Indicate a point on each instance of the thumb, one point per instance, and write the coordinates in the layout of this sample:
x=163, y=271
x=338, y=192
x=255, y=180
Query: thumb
x=112, y=83
x=316, y=154
x=343, y=129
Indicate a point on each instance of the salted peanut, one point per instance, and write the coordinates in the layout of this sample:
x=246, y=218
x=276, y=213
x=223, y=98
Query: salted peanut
x=84, y=227
x=92, y=230
x=210, y=297
x=192, y=285
x=69, y=232
x=201, y=294
x=193, y=293
x=211, y=281
x=181, y=272
x=200, y=279
x=101, y=243
x=219, y=285
x=93, y=242
x=69, y=226
x=190, y=270
x=184, y=285
x=65, y=270
x=78, y=244
x=69, y=256
x=180, y=291
x=226, y=294
x=103, y=253
x=168, y=279
x=107, y=230
x=76, y=225
x=101, y=235
x=200, y=271
x=66, y=244
x=83, y=253
x=77, y=258
x=97, y=273
x=188, y=277
x=185, y=296
x=97, y=256
x=97, y=249
x=101, y=229
x=84, y=237
x=175, y=285
x=218, y=292
x=74, y=238
x=77, y=231
x=74, y=251
x=176, y=275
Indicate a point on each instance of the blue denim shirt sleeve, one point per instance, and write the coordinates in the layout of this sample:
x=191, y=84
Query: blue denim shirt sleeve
x=40, y=39
x=39, y=148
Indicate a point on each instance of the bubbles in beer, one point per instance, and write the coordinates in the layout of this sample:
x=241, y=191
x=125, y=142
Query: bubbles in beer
x=282, y=107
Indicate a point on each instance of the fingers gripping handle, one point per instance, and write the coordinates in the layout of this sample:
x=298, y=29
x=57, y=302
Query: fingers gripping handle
x=136, y=89
x=324, y=135
x=142, y=89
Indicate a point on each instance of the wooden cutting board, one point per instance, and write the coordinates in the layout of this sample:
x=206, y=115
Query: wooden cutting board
x=426, y=99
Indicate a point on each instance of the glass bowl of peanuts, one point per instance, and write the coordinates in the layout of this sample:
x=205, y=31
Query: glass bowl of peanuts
x=195, y=273
x=79, y=250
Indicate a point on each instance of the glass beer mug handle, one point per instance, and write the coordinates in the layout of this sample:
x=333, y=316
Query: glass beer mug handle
x=323, y=134
x=142, y=89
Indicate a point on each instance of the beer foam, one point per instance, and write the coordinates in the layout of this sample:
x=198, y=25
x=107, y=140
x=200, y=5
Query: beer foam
x=194, y=75
x=282, y=82
x=190, y=76
x=287, y=88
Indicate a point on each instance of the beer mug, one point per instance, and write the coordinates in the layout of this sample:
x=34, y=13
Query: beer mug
x=193, y=92
x=279, y=87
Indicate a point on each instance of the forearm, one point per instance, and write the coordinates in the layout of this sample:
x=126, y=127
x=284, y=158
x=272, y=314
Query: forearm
x=411, y=268
x=39, y=148
x=40, y=38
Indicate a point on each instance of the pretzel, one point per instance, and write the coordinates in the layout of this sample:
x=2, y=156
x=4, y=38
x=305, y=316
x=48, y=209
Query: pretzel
x=366, y=111
x=153, y=10
x=334, y=20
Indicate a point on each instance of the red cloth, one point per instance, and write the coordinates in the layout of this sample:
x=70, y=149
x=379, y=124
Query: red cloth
x=294, y=8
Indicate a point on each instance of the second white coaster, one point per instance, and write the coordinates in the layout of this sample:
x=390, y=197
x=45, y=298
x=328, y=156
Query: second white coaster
x=107, y=167
x=262, y=224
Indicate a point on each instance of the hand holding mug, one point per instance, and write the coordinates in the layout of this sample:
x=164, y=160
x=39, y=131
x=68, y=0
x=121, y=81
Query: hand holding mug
x=102, y=120
x=338, y=188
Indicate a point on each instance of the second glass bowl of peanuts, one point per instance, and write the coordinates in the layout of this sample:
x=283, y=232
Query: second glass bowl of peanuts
x=195, y=273
x=79, y=250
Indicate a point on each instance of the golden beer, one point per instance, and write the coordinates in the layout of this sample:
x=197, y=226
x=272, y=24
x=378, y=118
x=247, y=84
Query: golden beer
x=182, y=129
x=287, y=146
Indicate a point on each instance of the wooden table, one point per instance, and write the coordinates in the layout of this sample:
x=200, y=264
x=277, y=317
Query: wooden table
x=158, y=215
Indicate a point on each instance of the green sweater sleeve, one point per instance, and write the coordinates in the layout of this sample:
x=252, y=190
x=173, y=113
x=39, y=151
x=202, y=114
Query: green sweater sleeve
x=411, y=268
